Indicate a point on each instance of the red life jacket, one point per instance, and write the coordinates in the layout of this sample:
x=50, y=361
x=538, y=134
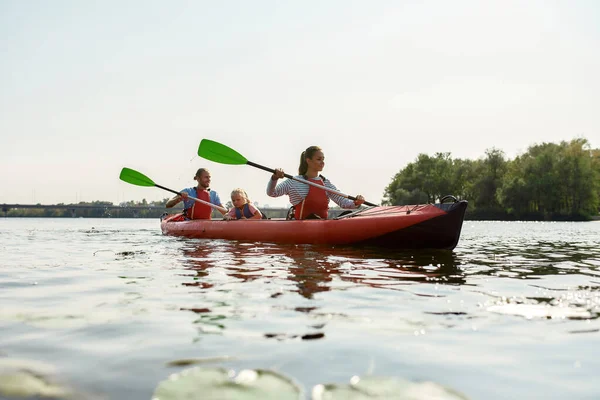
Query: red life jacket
x=315, y=202
x=199, y=210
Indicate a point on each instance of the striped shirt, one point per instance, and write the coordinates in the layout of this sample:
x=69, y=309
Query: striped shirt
x=297, y=191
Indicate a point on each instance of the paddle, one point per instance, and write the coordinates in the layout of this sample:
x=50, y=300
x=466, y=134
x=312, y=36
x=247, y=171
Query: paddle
x=220, y=153
x=137, y=178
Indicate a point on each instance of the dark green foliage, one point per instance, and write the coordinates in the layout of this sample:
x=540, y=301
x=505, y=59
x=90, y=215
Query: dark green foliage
x=548, y=182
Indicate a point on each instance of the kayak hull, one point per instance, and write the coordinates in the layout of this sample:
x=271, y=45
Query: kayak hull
x=435, y=226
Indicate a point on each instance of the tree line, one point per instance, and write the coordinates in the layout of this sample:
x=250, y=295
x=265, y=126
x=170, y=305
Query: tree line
x=106, y=209
x=549, y=181
x=95, y=209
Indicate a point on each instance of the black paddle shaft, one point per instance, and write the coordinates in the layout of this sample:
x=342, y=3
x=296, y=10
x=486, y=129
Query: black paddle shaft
x=167, y=189
x=271, y=170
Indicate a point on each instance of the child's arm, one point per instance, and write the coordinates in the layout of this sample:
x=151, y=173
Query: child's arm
x=256, y=214
x=230, y=214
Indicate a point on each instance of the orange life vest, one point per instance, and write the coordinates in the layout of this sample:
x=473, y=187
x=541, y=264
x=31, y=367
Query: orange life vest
x=315, y=202
x=199, y=210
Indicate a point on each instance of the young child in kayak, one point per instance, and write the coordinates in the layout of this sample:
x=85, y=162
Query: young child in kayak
x=191, y=208
x=242, y=207
x=309, y=201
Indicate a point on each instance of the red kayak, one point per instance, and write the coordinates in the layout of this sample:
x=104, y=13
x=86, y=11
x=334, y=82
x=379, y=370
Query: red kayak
x=434, y=226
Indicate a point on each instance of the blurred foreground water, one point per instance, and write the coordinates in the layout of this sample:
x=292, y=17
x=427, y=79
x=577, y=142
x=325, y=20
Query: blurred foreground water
x=110, y=308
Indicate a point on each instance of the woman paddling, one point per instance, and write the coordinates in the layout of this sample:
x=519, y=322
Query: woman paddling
x=309, y=201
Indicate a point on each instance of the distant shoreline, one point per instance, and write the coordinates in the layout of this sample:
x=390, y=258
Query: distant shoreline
x=154, y=211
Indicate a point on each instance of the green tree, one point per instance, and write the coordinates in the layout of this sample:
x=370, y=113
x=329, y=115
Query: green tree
x=426, y=180
x=490, y=173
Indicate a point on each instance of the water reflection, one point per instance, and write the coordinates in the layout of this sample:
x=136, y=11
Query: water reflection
x=312, y=269
x=239, y=283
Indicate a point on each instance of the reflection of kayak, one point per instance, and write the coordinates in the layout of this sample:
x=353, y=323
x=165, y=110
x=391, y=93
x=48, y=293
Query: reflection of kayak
x=397, y=227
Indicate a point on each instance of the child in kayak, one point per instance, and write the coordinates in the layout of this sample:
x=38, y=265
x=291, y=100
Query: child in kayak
x=242, y=207
x=309, y=201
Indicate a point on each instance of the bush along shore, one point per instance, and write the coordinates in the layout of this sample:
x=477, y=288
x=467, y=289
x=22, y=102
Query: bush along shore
x=558, y=182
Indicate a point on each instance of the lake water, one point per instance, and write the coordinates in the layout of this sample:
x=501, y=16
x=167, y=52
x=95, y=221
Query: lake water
x=110, y=308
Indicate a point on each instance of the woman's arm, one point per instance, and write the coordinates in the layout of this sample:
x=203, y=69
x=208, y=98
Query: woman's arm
x=275, y=190
x=337, y=199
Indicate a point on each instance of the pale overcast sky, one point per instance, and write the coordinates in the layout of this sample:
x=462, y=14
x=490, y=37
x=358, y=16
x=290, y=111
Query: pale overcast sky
x=87, y=88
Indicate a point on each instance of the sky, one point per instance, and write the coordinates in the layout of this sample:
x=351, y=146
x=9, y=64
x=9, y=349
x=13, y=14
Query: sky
x=87, y=88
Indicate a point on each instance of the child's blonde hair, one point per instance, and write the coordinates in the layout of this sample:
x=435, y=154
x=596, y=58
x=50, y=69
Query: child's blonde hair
x=242, y=193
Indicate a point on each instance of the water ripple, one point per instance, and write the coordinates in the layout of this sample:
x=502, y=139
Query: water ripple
x=515, y=302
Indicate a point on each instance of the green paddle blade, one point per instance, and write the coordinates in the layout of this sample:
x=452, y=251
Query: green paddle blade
x=220, y=153
x=135, y=178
